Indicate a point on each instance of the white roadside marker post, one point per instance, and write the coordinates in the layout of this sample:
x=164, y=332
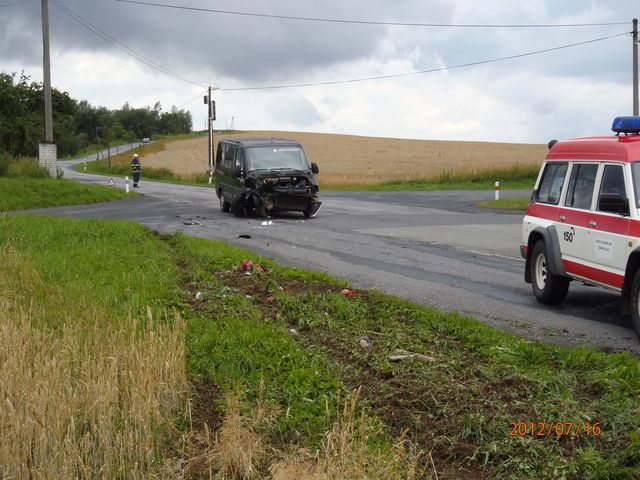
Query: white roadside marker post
x=126, y=184
x=497, y=190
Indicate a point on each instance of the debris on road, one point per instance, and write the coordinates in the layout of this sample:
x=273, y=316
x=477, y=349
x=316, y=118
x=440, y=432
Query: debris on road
x=347, y=292
x=365, y=342
x=199, y=296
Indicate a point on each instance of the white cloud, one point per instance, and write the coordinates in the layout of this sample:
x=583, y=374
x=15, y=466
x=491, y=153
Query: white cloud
x=566, y=93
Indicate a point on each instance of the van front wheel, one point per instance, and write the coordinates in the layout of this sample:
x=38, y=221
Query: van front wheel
x=548, y=288
x=224, y=205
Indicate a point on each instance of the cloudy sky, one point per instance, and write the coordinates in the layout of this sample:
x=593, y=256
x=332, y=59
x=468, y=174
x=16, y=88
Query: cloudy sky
x=101, y=51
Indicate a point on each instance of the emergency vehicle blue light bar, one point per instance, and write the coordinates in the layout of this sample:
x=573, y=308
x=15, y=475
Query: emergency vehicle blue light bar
x=626, y=125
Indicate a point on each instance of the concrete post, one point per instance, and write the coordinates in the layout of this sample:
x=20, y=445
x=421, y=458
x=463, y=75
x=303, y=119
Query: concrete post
x=48, y=158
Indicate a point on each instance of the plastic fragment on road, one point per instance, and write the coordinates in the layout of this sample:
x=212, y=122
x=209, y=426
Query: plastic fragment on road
x=199, y=296
x=365, y=342
x=347, y=292
x=268, y=222
x=270, y=299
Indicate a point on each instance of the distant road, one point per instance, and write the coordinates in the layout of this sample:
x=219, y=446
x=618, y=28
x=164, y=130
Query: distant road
x=433, y=248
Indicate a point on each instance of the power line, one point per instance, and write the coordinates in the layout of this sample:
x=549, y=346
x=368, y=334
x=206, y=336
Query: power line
x=16, y=3
x=422, y=72
x=368, y=22
x=121, y=46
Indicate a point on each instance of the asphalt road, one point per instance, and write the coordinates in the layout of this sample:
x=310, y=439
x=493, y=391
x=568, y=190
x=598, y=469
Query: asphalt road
x=433, y=248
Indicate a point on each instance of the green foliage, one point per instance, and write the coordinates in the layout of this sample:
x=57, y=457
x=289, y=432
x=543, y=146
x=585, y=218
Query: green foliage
x=75, y=123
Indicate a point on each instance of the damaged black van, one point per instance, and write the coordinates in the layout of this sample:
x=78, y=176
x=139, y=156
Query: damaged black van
x=263, y=175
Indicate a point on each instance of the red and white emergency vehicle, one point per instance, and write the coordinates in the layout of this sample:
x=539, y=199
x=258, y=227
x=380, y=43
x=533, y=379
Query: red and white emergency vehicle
x=583, y=221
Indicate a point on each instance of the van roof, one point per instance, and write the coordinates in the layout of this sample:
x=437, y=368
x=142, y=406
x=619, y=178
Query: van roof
x=261, y=142
x=623, y=148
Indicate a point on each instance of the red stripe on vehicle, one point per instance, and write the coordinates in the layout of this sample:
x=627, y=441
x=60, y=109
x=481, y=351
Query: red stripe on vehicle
x=595, y=274
x=541, y=210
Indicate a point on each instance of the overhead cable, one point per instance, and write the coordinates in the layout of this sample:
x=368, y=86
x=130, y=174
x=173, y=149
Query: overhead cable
x=121, y=46
x=422, y=72
x=15, y=3
x=368, y=22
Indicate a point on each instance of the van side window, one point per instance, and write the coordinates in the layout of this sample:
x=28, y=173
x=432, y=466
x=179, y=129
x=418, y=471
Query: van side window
x=229, y=156
x=613, y=181
x=219, y=156
x=240, y=158
x=551, y=183
x=581, y=183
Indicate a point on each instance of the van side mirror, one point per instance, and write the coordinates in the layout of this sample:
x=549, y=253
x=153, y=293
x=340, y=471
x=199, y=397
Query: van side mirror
x=237, y=171
x=614, y=203
x=314, y=168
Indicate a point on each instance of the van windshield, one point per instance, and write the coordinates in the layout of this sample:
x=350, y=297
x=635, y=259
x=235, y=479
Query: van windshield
x=635, y=169
x=276, y=157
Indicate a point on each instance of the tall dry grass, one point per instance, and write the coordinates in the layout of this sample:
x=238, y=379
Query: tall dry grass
x=240, y=451
x=348, y=160
x=95, y=397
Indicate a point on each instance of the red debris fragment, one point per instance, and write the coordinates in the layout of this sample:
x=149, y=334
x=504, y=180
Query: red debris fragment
x=347, y=292
x=270, y=299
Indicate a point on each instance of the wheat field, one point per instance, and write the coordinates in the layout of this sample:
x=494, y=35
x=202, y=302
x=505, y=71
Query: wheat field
x=353, y=160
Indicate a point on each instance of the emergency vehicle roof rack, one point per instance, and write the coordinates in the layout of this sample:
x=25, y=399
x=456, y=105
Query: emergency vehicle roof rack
x=626, y=125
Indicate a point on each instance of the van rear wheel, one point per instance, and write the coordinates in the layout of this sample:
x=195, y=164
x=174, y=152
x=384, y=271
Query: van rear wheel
x=548, y=288
x=635, y=302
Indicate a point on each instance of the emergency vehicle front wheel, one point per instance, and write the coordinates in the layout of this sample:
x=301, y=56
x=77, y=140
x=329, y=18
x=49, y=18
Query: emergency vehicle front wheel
x=635, y=302
x=548, y=288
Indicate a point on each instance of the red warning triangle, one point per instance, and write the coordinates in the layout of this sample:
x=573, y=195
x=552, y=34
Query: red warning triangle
x=111, y=182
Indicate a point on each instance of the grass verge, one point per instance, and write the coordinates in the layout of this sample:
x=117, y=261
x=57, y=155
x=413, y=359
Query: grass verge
x=519, y=204
x=26, y=193
x=274, y=357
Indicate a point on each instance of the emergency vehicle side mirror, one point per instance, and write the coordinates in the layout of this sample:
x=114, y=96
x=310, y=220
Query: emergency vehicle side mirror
x=237, y=171
x=614, y=203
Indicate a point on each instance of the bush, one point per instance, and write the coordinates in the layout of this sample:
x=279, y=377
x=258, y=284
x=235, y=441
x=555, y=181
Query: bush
x=5, y=160
x=21, y=167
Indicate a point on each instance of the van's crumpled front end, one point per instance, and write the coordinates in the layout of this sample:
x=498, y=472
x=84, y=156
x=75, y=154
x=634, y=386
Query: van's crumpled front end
x=283, y=189
x=265, y=175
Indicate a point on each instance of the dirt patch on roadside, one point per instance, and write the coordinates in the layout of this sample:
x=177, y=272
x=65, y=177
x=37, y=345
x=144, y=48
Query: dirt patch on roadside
x=349, y=159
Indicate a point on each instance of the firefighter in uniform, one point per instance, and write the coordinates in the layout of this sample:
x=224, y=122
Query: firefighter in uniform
x=135, y=170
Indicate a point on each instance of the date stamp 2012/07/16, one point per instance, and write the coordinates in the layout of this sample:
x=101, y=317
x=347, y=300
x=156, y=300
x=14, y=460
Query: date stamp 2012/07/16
x=555, y=429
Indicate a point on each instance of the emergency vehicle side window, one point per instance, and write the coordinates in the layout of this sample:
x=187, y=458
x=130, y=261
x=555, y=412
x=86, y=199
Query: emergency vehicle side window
x=551, y=183
x=581, y=183
x=635, y=170
x=613, y=181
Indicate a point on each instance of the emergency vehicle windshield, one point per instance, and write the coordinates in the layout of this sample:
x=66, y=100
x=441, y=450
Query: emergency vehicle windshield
x=277, y=158
x=635, y=168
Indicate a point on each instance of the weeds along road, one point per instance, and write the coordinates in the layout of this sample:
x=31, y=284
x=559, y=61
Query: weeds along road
x=432, y=248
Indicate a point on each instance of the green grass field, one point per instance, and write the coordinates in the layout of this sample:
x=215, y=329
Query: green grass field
x=27, y=193
x=144, y=355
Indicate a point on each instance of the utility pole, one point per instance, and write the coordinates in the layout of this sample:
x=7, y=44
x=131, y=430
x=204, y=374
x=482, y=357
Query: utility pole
x=210, y=127
x=635, y=66
x=211, y=116
x=47, y=149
